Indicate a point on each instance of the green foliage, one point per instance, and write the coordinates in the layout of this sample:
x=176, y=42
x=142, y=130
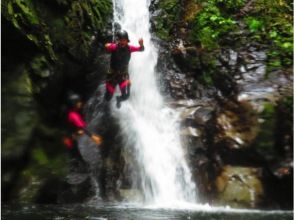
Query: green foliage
x=254, y=24
x=230, y=5
x=210, y=25
x=282, y=49
x=270, y=23
x=169, y=15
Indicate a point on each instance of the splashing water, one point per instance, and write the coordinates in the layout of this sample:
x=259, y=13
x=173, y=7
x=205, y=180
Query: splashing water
x=148, y=126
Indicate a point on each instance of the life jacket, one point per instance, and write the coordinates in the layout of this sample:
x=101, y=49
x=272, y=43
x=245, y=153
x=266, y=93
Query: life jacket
x=120, y=58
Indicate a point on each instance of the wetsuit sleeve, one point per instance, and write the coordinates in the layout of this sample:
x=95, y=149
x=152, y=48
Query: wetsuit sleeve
x=136, y=48
x=76, y=119
x=111, y=47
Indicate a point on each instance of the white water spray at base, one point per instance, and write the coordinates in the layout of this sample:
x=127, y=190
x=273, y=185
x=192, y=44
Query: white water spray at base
x=149, y=127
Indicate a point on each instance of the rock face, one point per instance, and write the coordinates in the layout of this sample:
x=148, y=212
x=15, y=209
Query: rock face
x=51, y=47
x=223, y=127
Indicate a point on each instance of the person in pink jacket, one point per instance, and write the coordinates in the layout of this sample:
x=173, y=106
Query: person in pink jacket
x=120, y=58
x=76, y=123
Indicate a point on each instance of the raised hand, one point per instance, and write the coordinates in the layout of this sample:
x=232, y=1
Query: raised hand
x=141, y=42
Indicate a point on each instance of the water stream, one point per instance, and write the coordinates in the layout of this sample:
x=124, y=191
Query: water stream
x=127, y=212
x=150, y=127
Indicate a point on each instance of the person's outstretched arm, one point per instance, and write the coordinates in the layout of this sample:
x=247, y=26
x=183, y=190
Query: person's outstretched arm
x=110, y=47
x=76, y=119
x=138, y=48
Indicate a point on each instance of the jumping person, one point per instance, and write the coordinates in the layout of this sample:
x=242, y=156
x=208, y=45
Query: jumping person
x=120, y=58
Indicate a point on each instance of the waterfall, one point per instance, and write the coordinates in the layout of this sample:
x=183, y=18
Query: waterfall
x=149, y=127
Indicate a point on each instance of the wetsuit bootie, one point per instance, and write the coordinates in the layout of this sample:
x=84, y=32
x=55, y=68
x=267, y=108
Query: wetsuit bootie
x=118, y=102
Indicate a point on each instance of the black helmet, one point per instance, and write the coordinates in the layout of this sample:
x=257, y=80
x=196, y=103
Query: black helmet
x=73, y=98
x=122, y=35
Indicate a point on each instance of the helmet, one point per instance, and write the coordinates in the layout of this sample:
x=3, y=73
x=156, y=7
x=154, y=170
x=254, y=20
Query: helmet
x=122, y=35
x=73, y=98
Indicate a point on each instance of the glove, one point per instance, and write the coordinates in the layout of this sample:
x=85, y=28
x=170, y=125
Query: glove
x=97, y=139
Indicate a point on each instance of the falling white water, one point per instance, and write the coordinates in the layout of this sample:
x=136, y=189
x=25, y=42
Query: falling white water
x=149, y=127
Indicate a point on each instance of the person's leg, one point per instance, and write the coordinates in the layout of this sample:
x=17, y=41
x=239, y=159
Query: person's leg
x=125, y=87
x=111, y=82
x=110, y=88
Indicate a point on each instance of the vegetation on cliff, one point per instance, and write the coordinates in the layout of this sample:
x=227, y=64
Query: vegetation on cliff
x=214, y=24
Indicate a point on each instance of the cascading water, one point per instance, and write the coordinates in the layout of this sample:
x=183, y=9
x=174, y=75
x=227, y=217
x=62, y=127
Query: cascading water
x=149, y=127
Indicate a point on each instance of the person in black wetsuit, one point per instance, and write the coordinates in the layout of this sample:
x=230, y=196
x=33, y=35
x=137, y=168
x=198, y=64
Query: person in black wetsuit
x=120, y=58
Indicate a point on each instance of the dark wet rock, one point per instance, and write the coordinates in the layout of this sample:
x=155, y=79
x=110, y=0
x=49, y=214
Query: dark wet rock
x=76, y=178
x=203, y=170
x=203, y=115
x=233, y=58
x=189, y=131
x=131, y=195
x=278, y=184
x=237, y=122
x=78, y=188
x=190, y=112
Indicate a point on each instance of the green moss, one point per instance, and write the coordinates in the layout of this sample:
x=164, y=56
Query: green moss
x=39, y=156
x=239, y=187
x=19, y=114
x=226, y=5
x=277, y=120
x=24, y=17
x=264, y=142
x=22, y=12
x=51, y=29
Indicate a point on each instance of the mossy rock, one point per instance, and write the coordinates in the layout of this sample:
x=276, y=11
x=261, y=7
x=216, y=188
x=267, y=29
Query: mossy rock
x=239, y=187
